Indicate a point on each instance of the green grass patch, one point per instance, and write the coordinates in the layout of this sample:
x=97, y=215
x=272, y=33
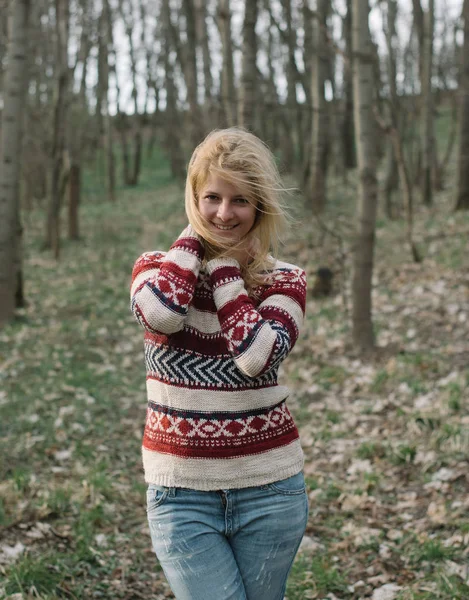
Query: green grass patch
x=315, y=577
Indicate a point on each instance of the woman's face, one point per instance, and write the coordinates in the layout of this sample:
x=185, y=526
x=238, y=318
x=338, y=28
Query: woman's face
x=226, y=210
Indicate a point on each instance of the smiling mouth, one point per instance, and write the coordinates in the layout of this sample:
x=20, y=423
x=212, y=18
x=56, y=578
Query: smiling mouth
x=225, y=227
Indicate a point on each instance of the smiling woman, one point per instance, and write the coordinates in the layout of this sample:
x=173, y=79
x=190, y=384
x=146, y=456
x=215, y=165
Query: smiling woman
x=226, y=500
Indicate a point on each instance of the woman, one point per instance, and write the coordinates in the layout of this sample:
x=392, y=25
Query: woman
x=226, y=500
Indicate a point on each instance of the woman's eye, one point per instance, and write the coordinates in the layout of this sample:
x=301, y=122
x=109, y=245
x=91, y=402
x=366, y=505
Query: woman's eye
x=211, y=198
x=241, y=200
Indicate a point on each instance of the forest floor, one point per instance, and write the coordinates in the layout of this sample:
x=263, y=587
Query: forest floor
x=386, y=440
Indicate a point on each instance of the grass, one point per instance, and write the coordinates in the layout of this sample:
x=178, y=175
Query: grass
x=314, y=577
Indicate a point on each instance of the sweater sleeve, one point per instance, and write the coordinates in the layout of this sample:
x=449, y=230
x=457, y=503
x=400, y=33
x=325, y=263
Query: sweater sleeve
x=163, y=284
x=258, y=338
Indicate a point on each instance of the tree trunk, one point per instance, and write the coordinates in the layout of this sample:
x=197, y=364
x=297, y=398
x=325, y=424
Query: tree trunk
x=203, y=41
x=172, y=134
x=227, y=87
x=428, y=147
x=348, y=132
x=363, y=335
x=462, y=201
x=74, y=201
x=320, y=126
x=14, y=98
x=107, y=42
x=391, y=170
x=290, y=138
x=59, y=128
x=132, y=161
x=190, y=74
x=247, y=92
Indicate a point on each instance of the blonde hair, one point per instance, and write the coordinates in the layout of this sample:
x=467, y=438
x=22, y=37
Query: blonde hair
x=242, y=159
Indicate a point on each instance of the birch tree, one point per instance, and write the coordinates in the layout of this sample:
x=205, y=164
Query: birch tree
x=14, y=97
x=362, y=325
x=462, y=201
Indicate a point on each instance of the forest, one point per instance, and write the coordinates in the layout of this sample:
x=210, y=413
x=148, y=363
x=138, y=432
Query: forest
x=366, y=108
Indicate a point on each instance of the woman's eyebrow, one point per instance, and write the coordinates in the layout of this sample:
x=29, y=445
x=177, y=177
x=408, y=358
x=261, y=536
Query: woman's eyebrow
x=212, y=193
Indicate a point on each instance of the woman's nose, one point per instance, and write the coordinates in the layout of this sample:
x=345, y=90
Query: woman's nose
x=225, y=211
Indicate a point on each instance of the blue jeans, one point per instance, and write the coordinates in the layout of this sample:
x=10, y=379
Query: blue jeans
x=236, y=544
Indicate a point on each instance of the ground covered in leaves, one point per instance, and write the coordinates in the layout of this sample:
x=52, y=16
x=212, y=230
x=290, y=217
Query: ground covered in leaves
x=386, y=440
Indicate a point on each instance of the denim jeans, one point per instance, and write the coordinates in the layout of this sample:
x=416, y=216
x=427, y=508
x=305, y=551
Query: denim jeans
x=236, y=544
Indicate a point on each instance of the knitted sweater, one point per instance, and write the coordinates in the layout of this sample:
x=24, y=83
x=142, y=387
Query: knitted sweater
x=216, y=417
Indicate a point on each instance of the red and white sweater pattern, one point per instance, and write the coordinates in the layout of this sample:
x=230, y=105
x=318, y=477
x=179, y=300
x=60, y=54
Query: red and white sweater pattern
x=216, y=417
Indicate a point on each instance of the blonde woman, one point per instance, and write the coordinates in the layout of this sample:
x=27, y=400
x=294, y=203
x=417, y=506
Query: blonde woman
x=226, y=498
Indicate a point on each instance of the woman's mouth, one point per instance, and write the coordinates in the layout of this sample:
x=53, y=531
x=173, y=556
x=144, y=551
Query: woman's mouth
x=224, y=227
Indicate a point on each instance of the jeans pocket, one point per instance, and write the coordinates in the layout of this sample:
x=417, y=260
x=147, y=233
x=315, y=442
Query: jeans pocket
x=292, y=486
x=156, y=495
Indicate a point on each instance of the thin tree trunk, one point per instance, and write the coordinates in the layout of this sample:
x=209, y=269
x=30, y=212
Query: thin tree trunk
x=74, y=202
x=391, y=170
x=462, y=200
x=173, y=138
x=362, y=325
x=247, y=95
x=107, y=41
x=228, y=89
x=14, y=98
x=348, y=132
x=320, y=126
x=59, y=129
x=132, y=161
x=190, y=74
x=203, y=42
x=428, y=147
x=290, y=141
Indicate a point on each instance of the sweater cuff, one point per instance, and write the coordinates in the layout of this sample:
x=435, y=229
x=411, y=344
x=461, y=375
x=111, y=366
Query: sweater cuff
x=191, y=242
x=223, y=270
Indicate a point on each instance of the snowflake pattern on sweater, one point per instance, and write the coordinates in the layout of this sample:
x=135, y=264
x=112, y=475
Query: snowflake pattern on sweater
x=212, y=354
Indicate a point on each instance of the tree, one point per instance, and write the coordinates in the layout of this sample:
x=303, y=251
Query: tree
x=172, y=133
x=391, y=172
x=428, y=141
x=189, y=66
x=347, y=128
x=132, y=161
x=320, y=127
x=248, y=82
x=203, y=41
x=290, y=136
x=227, y=85
x=10, y=165
x=59, y=172
x=462, y=202
x=106, y=49
x=362, y=325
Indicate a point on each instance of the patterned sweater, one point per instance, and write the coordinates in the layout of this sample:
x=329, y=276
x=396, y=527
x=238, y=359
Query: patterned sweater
x=216, y=417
